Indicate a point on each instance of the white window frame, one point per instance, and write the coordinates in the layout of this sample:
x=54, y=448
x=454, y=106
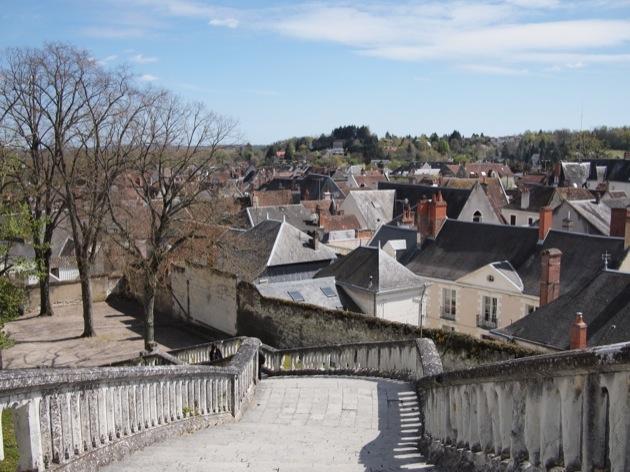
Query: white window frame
x=449, y=302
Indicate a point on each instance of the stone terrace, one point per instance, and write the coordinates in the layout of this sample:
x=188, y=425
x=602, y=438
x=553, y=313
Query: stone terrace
x=56, y=341
x=303, y=424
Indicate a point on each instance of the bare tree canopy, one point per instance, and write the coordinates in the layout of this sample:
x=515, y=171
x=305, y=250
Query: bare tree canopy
x=172, y=159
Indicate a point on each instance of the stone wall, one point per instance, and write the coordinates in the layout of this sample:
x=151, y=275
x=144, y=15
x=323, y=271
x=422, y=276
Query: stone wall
x=69, y=292
x=204, y=296
x=285, y=324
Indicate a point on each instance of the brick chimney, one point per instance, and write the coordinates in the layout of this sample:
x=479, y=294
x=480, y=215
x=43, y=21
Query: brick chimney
x=407, y=217
x=544, y=222
x=620, y=224
x=437, y=214
x=549, y=275
x=578, y=333
x=422, y=218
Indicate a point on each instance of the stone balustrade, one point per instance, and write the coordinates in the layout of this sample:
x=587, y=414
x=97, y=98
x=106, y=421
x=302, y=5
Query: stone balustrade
x=406, y=359
x=567, y=411
x=76, y=419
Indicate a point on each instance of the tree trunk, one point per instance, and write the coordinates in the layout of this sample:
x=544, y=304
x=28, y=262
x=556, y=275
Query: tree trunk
x=86, y=298
x=150, y=284
x=43, y=265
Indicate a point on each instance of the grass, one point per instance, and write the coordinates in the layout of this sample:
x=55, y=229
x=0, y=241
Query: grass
x=11, y=454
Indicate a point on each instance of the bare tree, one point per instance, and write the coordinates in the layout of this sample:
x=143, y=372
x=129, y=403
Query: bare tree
x=172, y=159
x=102, y=143
x=36, y=122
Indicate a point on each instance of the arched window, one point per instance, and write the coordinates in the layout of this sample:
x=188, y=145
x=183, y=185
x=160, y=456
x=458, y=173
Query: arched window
x=477, y=216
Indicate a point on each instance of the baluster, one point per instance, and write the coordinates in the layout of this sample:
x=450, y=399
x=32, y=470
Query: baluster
x=75, y=419
x=56, y=429
x=93, y=418
x=159, y=399
x=133, y=410
x=203, y=396
x=28, y=436
x=179, y=405
x=124, y=410
x=44, y=428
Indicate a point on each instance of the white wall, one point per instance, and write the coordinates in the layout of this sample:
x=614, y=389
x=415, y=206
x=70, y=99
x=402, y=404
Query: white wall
x=208, y=295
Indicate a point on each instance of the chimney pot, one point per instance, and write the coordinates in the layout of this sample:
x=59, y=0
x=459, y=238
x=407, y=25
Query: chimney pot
x=578, y=333
x=549, y=275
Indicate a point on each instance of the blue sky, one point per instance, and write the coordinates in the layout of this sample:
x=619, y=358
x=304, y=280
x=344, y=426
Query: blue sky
x=293, y=68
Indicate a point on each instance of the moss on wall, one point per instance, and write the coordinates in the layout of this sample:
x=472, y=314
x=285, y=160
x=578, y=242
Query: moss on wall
x=285, y=324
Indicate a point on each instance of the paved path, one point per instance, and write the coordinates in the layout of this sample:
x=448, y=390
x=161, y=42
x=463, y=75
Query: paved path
x=300, y=424
x=55, y=341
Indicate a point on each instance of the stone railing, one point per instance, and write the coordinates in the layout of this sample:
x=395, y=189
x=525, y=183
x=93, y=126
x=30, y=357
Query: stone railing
x=193, y=355
x=78, y=419
x=407, y=359
x=569, y=410
x=201, y=353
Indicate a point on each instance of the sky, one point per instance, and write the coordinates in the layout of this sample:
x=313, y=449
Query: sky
x=295, y=68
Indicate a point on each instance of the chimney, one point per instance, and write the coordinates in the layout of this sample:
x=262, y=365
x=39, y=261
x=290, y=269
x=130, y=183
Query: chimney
x=620, y=224
x=544, y=223
x=525, y=198
x=255, y=200
x=549, y=275
x=578, y=333
x=422, y=220
x=407, y=218
x=437, y=214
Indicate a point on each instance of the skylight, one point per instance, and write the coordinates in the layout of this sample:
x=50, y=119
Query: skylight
x=329, y=292
x=296, y=296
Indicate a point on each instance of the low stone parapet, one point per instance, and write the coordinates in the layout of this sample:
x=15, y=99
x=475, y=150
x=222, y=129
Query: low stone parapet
x=406, y=359
x=77, y=419
x=567, y=411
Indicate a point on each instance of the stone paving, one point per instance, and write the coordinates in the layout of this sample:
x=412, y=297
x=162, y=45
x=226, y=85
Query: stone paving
x=55, y=341
x=298, y=424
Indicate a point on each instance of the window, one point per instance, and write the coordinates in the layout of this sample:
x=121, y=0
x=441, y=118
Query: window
x=513, y=220
x=490, y=309
x=329, y=292
x=296, y=296
x=449, y=303
x=477, y=217
x=490, y=278
x=530, y=221
x=530, y=309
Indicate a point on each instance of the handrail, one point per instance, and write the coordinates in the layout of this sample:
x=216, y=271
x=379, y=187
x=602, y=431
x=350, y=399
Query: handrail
x=569, y=409
x=408, y=359
x=80, y=418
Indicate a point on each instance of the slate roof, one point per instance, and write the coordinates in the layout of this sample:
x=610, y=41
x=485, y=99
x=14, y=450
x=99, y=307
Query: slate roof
x=597, y=214
x=394, y=233
x=603, y=299
x=268, y=244
x=297, y=215
x=462, y=247
x=371, y=269
x=581, y=258
x=617, y=170
x=542, y=195
x=376, y=207
x=455, y=198
x=310, y=290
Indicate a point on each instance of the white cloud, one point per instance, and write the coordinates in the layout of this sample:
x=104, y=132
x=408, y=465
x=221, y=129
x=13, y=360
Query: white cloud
x=147, y=78
x=227, y=22
x=499, y=32
x=493, y=70
x=142, y=59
